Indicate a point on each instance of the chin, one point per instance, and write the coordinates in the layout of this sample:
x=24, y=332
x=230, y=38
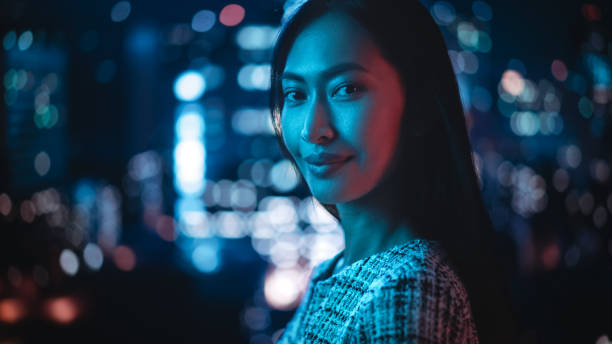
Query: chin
x=333, y=194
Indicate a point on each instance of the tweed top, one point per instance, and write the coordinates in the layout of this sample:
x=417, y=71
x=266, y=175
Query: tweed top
x=406, y=294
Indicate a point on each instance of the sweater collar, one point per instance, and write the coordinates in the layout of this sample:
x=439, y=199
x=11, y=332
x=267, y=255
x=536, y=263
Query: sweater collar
x=377, y=262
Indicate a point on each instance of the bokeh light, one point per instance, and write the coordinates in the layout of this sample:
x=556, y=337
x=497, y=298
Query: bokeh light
x=250, y=121
x=513, y=82
x=283, y=287
x=189, y=86
x=124, y=258
x=253, y=77
x=25, y=40
x=63, y=310
x=5, y=204
x=559, y=70
x=205, y=257
x=283, y=176
x=256, y=37
x=203, y=21
x=231, y=15
x=192, y=220
x=190, y=125
x=42, y=163
x=93, y=256
x=443, y=12
x=9, y=40
x=12, y=310
x=120, y=11
x=69, y=262
x=189, y=162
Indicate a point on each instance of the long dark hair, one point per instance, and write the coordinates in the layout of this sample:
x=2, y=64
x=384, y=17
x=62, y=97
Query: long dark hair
x=432, y=169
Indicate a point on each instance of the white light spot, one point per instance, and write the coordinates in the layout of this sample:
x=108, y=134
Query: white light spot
x=282, y=288
x=190, y=85
x=189, y=157
x=93, y=256
x=69, y=262
x=283, y=176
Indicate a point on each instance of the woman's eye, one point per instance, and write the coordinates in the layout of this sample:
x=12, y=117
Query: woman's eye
x=349, y=90
x=294, y=96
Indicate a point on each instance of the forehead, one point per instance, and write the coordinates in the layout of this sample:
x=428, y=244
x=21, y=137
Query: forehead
x=329, y=40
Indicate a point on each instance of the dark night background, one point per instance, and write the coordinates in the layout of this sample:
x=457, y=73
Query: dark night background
x=107, y=234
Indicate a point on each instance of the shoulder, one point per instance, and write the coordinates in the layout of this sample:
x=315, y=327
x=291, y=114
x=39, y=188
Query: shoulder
x=422, y=268
x=419, y=298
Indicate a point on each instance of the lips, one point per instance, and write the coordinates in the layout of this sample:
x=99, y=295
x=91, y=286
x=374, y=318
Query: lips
x=325, y=158
x=326, y=164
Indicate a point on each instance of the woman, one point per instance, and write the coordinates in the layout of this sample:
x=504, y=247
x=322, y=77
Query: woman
x=365, y=104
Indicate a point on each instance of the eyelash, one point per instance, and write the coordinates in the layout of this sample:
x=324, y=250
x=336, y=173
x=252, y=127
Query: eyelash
x=358, y=89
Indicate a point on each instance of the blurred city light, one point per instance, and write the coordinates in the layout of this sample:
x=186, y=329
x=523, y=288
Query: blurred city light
x=231, y=15
x=214, y=76
x=253, y=77
x=93, y=257
x=5, y=204
x=203, y=21
x=189, y=160
x=193, y=220
x=250, y=121
x=443, y=12
x=25, y=40
x=69, y=262
x=12, y=310
x=256, y=37
x=283, y=176
x=63, y=310
x=124, y=258
x=205, y=257
x=9, y=40
x=190, y=125
x=189, y=85
x=121, y=11
x=283, y=288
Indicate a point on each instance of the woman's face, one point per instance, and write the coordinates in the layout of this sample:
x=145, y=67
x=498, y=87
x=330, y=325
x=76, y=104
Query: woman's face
x=343, y=104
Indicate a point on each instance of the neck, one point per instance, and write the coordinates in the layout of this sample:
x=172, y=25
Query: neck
x=369, y=230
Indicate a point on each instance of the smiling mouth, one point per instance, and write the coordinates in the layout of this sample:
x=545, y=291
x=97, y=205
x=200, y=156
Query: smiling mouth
x=327, y=169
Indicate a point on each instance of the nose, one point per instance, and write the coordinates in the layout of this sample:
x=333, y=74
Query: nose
x=317, y=125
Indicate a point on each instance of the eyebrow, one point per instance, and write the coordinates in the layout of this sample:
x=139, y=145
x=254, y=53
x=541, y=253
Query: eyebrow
x=327, y=73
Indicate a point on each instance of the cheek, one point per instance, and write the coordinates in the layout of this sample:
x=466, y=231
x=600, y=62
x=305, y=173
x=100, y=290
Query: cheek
x=290, y=132
x=378, y=127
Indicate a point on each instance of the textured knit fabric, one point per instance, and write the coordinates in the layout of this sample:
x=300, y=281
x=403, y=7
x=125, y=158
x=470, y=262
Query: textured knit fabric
x=406, y=294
